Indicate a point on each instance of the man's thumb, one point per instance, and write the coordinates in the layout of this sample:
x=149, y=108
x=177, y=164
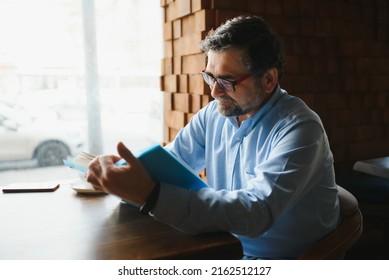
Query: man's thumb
x=125, y=153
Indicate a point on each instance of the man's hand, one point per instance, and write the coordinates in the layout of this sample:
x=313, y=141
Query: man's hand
x=130, y=182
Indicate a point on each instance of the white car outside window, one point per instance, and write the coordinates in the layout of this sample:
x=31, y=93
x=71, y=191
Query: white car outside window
x=44, y=139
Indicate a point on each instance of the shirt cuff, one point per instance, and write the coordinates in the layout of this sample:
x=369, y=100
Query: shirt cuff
x=172, y=204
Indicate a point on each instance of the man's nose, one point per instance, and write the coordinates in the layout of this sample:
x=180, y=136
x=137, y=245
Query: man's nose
x=216, y=91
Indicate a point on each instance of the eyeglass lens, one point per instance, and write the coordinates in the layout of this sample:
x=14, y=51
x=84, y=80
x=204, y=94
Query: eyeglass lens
x=225, y=85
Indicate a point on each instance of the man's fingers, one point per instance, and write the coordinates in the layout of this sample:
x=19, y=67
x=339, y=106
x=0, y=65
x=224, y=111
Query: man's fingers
x=97, y=169
x=92, y=179
x=94, y=167
x=95, y=184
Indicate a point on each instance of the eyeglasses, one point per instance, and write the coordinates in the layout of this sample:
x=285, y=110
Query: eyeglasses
x=225, y=85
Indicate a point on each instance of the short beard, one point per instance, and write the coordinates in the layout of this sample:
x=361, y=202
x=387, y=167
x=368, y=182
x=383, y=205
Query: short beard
x=230, y=111
x=234, y=110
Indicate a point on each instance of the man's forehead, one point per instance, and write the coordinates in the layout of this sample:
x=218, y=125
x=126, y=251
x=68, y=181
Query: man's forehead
x=225, y=60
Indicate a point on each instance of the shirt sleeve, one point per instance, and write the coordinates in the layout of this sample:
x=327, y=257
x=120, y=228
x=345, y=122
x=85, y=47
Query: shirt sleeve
x=278, y=183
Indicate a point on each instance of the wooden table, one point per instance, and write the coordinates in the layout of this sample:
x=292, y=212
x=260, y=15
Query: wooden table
x=66, y=225
x=377, y=167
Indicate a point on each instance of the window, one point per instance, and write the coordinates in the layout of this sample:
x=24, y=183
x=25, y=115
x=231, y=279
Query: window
x=49, y=108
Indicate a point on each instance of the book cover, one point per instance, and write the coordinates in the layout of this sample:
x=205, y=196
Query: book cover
x=164, y=167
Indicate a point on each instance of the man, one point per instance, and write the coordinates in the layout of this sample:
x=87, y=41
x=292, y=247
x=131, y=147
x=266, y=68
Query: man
x=266, y=154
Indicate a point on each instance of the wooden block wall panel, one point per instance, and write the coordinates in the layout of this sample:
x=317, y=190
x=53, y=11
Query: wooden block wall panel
x=172, y=132
x=274, y=7
x=198, y=5
x=177, y=30
x=203, y=175
x=258, y=7
x=178, y=47
x=191, y=43
x=205, y=99
x=188, y=25
x=196, y=102
x=168, y=48
x=190, y=115
x=241, y=5
x=167, y=66
x=193, y=64
x=177, y=65
x=183, y=7
x=177, y=9
x=187, y=44
x=167, y=31
x=222, y=16
x=183, y=83
x=171, y=12
x=181, y=102
x=161, y=83
x=166, y=134
x=175, y=119
x=204, y=20
x=197, y=84
x=170, y=83
x=198, y=22
x=167, y=99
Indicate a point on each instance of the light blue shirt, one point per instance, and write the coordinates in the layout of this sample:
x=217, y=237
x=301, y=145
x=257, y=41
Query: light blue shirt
x=271, y=179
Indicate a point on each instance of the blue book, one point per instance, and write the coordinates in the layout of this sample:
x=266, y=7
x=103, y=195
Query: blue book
x=162, y=167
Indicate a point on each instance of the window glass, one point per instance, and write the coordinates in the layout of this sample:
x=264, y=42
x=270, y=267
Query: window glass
x=45, y=110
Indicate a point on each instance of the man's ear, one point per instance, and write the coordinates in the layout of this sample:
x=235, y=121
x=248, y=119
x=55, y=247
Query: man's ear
x=270, y=80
